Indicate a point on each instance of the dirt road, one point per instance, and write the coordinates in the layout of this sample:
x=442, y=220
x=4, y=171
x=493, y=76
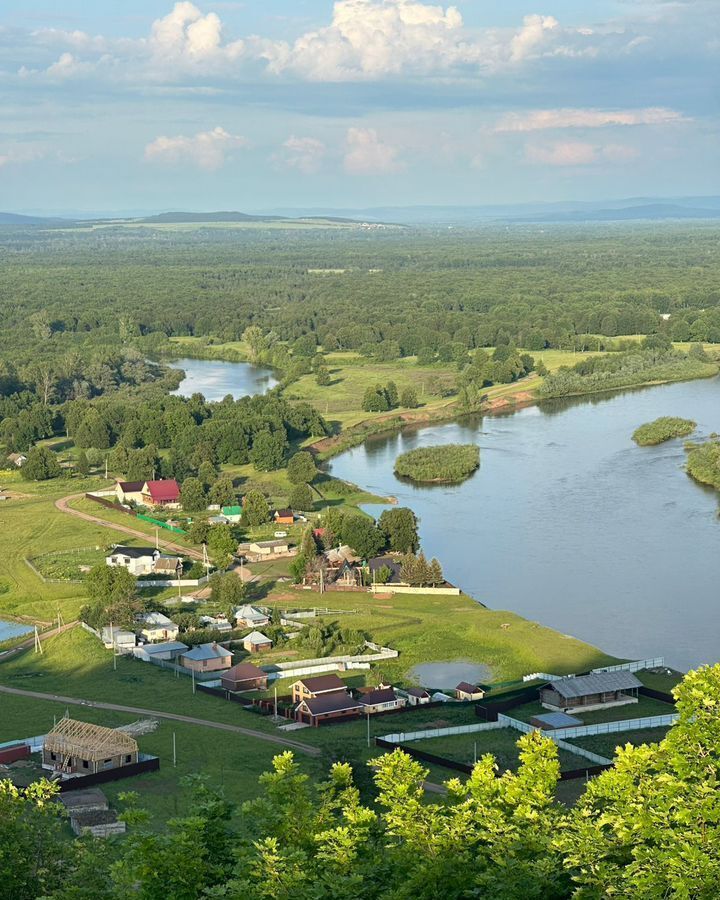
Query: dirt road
x=63, y=505
x=176, y=717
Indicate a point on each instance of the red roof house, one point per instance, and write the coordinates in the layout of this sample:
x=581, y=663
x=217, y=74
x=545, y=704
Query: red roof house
x=161, y=493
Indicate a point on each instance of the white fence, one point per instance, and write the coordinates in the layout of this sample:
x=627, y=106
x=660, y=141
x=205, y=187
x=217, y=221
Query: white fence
x=581, y=751
x=403, y=736
x=335, y=661
x=173, y=582
x=407, y=589
x=634, y=666
x=597, y=728
x=315, y=670
x=34, y=743
x=542, y=676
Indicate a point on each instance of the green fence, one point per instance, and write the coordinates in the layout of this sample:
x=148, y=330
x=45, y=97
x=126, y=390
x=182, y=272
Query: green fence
x=160, y=524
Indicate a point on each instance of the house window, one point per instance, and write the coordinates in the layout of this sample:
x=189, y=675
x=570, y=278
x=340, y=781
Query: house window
x=53, y=756
x=86, y=764
x=107, y=763
x=128, y=758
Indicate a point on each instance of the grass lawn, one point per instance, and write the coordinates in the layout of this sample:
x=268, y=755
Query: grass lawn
x=230, y=761
x=645, y=706
x=501, y=743
x=606, y=744
x=660, y=681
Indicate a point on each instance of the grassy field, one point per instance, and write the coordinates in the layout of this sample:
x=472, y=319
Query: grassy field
x=645, y=706
x=501, y=743
x=606, y=744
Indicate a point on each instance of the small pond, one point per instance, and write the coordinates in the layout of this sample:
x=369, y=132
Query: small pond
x=215, y=379
x=446, y=675
x=12, y=629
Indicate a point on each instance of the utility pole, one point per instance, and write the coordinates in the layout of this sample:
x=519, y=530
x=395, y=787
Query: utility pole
x=174, y=751
x=106, y=468
x=192, y=672
x=276, y=702
x=38, y=642
x=368, y=729
x=112, y=638
x=157, y=539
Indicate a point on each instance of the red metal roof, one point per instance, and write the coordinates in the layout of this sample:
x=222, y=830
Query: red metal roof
x=166, y=491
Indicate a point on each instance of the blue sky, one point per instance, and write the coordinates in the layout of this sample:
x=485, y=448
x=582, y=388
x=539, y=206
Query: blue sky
x=142, y=104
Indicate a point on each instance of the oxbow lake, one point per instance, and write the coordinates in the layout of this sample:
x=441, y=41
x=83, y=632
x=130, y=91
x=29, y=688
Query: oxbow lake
x=215, y=379
x=567, y=522
x=12, y=629
x=570, y=524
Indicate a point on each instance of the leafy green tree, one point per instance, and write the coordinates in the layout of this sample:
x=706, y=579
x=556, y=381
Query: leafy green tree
x=308, y=545
x=255, y=508
x=221, y=545
x=322, y=376
x=223, y=491
x=301, y=468
x=301, y=497
x=268, y=450
x=409, y=398
x=400, y=528
x=228, y=591
x=41, y=464
x=391, y=393
x=435, y=573
x=363, y=535
x=199, y=531
x=192, y=495
x=374, y=400
x=255, y=339
x=81, y=464
x=207, y=473
x=92, y=431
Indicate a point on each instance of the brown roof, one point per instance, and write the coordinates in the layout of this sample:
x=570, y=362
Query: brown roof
x=333, y=703
x=467, y=688
x=323, y=684
x=418, y=692
x=382, y=695
x=131, y=487
x=244, y=672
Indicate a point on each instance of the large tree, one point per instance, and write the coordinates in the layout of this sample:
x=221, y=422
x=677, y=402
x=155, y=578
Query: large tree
x=301, y=468
x=255, y=508
x=363, y=535
x=400, y=527
x=41, y=464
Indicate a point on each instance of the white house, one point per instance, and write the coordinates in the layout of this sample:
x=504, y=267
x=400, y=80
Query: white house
x=217, y=623
x=118, y=638
x=250, y=617
x=137, y=560
x=158, y=627
x=382, y=699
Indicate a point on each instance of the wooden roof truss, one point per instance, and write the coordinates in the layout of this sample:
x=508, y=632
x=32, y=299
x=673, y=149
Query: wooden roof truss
x=88, y=741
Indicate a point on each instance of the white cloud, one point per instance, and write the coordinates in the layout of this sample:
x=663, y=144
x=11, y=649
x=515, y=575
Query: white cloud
x=531, y=36
x=207, y=149
x=67, y=66
x=305, y=154
x=542, y=119
x=578, y=153
x=366, y=154
x=21, y=153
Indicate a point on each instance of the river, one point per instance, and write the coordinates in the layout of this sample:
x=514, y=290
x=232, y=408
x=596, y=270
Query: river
x=12, y=629
x=570, y=524
x=215, y=379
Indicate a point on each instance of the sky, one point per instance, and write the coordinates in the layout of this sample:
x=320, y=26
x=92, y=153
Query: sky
x=110, y=105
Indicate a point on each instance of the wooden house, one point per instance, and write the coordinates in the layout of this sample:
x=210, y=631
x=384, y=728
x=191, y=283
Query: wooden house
x=74, y=747
x=244, y=677
x=598, y=690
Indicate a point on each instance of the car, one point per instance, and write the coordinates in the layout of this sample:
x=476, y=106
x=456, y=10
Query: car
x=280, y=534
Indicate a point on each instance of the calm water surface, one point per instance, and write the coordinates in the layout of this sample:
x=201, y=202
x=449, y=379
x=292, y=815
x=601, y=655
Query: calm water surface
x=444, y=676
x=570, y=524
x=215, y=379
x=12, y=629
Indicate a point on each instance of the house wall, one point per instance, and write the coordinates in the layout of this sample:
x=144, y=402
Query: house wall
x=256, y=648
x=247, y=684
x=300, y=693
x=75, y=762
x=207, y=665
x=383, y=707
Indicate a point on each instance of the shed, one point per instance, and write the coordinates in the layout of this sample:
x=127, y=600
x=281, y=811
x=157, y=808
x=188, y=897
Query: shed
x=418, y=696
x=284, y=516
x=382, y=699
x=598, y=690
x=256, y=641
x=549, y=721
x=466, y=691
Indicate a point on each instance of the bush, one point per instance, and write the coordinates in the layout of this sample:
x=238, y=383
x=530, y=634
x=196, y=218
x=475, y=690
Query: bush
x=662, y=429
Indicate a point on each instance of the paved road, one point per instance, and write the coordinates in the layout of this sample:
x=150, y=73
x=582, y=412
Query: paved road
x=62, y=505
x=156, y=714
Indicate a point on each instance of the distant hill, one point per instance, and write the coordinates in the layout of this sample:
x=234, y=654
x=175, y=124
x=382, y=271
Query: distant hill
x=177, y=218
x=15, y=219
x=649, y=211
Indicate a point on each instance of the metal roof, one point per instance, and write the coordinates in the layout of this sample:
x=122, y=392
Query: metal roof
x=134, y=552
x=332, y=703
x=557, y=720
x=597, y=683
x=207, y=651
x=256, y=637
x=165, y=647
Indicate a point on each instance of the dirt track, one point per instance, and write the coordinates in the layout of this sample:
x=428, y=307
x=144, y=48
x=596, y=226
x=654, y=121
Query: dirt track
x=156, y=714
x=62, y=505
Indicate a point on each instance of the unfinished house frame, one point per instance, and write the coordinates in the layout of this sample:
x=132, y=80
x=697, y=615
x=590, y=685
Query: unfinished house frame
x=81, y=748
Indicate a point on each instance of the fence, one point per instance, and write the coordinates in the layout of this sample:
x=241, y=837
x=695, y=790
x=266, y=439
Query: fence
x=491, y=710
x=541, y=676
x=403, y=589
x=656, y=695
x=333, y=662
x=160, y=524
x=581, y=751
x=173, y=582
x=109, y=504
x=597, y=728
x=403, y=736
x=634, y=666
x=144, y=764
x=31, y=560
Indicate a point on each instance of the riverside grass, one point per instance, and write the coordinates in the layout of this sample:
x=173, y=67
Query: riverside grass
x=663, y=429
x=703, y=462
x=446, y=464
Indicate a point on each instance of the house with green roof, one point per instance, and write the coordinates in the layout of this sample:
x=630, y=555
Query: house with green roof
x=232, y=513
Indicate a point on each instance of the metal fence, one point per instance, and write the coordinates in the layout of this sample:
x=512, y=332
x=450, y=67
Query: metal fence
x=635, y=666
x=598, y=728
x=404, y=736
x=581, y=751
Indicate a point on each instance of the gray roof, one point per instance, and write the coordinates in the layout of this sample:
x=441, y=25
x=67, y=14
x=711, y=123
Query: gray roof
x=256, y=637
x=133, y=552
x=557, y=720
x=207, y=651
x=597, y=683
x=165, y=647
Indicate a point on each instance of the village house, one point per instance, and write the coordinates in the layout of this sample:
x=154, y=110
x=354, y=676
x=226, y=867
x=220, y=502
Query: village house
x=466, y=691
x=329, y=707
x=382, y=699
x=137, y=560
x=257, y=551
x=167, y=651
x=158, y=627
x=319, y=686
x=17, y=459
x=599, y=690
x=171, y=566
x=250, y=617
x=374, y=566
x=128, y=492
x=283, y=517
x=218, y=520
x=256, y=641
x=81, y=748
x=232, y=513
x=207, y=658
x=216, y=623
x=164, y=493
x=244, y=677
x=117, y=638
x=417, y=696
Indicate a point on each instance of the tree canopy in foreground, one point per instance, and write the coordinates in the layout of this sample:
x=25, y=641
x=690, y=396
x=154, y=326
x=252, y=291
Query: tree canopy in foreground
x=646, y=828
x=448, y=463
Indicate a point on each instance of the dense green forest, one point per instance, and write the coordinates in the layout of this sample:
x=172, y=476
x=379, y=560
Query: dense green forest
x=646, y=828
x=385, y=293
